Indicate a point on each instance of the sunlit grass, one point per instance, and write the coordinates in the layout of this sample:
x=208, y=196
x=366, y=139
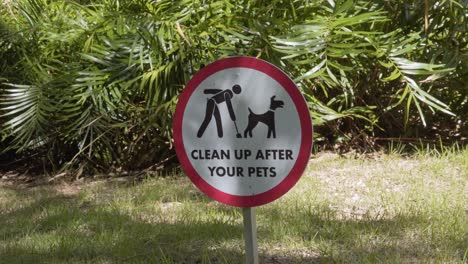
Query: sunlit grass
x=355, y=210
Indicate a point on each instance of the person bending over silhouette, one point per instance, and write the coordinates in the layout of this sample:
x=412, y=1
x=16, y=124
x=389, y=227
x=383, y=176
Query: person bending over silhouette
x=212, y=109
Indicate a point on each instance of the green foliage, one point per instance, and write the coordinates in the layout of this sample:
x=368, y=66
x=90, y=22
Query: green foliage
x=94, y=83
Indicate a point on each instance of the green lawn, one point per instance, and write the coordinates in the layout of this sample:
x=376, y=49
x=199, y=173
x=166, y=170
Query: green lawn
x=383, y=208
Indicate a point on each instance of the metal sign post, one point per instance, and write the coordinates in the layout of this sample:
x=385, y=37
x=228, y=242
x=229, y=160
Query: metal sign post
x=243, y=135
x=250, y=235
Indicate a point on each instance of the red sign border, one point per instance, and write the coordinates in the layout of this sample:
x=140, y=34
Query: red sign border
x=306, y=131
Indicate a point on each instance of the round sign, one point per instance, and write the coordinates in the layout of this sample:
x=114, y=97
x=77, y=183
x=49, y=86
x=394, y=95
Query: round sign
x=242, y=131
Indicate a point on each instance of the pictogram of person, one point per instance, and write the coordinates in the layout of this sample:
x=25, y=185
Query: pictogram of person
x=212, y=109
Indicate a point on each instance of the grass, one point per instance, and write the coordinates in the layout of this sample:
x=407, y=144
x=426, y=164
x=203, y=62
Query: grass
x=383, y=208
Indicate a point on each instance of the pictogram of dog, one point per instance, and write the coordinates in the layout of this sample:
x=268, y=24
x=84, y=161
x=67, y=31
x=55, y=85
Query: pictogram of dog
x=268, y=118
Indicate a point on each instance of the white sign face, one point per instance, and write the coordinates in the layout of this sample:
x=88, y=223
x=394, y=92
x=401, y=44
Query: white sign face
x=242, y=131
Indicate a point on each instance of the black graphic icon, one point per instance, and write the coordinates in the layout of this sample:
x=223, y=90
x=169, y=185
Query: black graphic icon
x=268, y=118
x=212, y=109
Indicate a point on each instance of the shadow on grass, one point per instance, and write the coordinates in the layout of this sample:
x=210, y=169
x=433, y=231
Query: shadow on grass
x=55, y=228
x=411, y=237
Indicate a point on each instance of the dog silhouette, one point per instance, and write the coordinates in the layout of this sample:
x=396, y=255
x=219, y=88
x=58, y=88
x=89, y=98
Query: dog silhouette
x=268, y=118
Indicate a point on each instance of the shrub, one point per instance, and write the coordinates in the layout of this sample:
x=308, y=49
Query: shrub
x=94, y=83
